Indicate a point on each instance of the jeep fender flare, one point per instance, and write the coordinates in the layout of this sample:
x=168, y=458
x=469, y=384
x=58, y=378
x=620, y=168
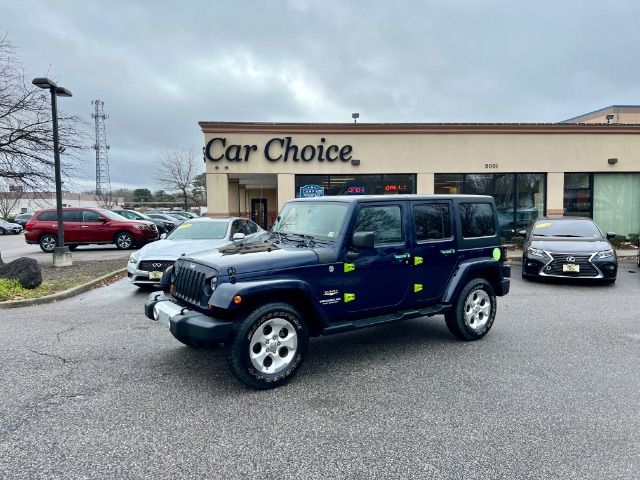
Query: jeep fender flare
x=468, y=269
x=222, y=296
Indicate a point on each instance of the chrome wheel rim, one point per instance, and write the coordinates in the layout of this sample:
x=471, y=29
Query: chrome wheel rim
x=124, y=241
x=273, y=346
x=477, y=309
x=49, y=243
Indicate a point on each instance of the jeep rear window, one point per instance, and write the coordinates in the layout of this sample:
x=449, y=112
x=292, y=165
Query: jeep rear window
x=318, y=219
x=477, y=219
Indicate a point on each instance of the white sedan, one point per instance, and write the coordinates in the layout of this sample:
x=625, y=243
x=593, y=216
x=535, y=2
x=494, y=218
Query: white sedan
x=146, y=266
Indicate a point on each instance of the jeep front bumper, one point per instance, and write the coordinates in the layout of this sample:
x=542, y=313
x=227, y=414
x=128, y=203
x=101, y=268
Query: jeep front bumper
x=185, y=323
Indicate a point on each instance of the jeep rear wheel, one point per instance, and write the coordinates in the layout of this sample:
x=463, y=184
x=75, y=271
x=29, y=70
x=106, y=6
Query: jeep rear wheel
x=473, y=312
x=268, y=346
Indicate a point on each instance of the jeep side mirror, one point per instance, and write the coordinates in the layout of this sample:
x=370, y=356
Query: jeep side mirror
x=363, y=240
x=163, y=236
x=611, y=235
x=237, y=237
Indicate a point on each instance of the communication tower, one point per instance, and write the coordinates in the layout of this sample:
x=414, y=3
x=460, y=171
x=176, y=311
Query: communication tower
x=103, y=182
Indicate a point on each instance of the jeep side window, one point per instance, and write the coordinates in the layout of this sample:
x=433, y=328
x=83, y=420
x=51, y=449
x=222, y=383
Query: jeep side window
x=478, y=220
x=433, y=221
x=384, y=221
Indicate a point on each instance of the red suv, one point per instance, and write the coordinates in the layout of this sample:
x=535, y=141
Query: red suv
x=84, y=226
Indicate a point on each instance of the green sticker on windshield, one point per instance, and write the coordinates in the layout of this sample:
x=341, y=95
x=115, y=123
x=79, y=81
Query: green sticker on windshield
x=497, y=253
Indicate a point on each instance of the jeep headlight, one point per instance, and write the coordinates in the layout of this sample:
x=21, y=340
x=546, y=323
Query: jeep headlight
x=133, y=258
x=213, y=282
x=606, y=253
x=536, y=252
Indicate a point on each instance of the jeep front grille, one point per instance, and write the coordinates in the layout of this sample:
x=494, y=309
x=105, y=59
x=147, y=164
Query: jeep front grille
x=190, y=280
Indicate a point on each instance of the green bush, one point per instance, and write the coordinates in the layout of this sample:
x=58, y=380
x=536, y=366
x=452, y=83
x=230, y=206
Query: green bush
x=618, y=240
x=518, y=242
x=634, y=238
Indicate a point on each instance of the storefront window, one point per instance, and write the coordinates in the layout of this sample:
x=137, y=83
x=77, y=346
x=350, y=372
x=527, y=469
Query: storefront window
x=519, y=197
x=358, y=184
x=448, y=184
x=577, y=195
x=616, y=202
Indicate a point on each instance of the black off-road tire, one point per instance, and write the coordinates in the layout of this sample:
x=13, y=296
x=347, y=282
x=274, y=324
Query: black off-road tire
x=239, y=347
x=457, y=322
x=48, y=242
x=124, y=240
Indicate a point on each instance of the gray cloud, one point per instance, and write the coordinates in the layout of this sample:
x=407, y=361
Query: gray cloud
x=161, y=66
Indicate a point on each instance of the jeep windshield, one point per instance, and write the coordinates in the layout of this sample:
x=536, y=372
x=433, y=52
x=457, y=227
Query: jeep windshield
x=315, y=220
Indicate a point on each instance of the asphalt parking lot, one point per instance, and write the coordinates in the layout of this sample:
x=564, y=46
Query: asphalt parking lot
x=14, y=246
x=92, y=389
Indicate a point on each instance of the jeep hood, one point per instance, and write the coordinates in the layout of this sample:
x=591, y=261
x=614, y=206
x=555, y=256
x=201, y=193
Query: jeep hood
x=256, y=258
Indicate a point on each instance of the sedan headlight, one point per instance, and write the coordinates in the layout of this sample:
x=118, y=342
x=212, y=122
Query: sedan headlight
x=606, y=253
x=133, y=258
x=536, y=252
x=144, y=227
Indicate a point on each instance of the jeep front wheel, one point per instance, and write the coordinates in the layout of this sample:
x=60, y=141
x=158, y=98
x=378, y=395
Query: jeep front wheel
x=268, y=346
x=473, y=312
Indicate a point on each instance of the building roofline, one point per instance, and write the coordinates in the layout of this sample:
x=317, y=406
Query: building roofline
x=415, y=128
x=600, y=110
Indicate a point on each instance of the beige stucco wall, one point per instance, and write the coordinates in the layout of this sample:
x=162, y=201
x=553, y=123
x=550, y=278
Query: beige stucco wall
x=427, y=153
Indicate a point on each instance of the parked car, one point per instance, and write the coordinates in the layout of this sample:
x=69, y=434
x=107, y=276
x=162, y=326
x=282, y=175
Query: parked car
x=183, y=214
x=569, y=247
x=333, y=265
x=9, y=227
x=22, y=219
x=146, y=266
x=164, y=226
x=176, y=216
x=85, y=226
x=169, y=220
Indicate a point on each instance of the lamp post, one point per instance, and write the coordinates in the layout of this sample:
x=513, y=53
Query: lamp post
x=61, y=254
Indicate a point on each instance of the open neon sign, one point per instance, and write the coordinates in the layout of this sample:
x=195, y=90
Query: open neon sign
x=399, y=187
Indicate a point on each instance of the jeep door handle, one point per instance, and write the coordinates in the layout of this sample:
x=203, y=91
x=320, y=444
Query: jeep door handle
x=401, y=256
x=451, y=251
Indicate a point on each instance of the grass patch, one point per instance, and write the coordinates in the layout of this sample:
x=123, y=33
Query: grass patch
x=59, y=279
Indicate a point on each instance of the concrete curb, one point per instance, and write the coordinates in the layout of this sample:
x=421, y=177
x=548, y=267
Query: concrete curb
x=54, y=297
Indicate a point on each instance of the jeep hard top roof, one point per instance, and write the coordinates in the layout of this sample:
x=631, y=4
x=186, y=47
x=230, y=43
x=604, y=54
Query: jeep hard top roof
x=394, y=198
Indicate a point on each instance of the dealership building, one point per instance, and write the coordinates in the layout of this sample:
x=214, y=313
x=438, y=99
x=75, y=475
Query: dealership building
x=587, y=165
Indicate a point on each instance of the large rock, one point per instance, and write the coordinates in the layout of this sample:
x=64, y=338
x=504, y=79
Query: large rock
x=26, y=270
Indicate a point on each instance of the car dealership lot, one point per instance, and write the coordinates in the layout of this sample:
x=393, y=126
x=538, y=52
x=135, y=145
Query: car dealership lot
x=14, y=246
x=93, y=389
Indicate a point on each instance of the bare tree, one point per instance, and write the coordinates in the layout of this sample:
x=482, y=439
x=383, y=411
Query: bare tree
x=10, y=196
x=26, y=137
x=177, y=171
x=107, y=200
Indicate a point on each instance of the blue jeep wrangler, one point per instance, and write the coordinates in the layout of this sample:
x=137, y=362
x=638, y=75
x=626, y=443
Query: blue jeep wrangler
x=332, y=265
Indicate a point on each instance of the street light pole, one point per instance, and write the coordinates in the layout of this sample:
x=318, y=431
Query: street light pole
x=61, y=254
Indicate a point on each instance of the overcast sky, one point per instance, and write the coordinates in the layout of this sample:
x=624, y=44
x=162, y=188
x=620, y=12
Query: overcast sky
x=162, y=66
